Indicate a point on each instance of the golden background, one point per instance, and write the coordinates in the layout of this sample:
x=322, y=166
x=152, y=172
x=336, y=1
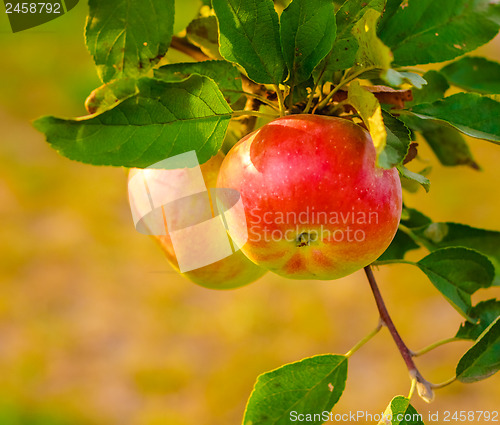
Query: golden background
x=96, y=328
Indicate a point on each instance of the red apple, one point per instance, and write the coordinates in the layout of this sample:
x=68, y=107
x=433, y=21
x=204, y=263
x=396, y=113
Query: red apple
x=230, y=272
x=316, y=205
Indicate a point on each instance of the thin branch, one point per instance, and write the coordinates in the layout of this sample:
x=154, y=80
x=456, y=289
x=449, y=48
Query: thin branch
x=311, y=95
x=423, y=386
x=341, y=84
x=320, y=76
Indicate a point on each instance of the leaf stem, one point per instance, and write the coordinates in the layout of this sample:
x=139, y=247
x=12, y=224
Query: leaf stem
x=435, y=345
x=281, y=101
x=423, y=386
x=341, y=84
x=311, y=95
x=290, y=94
x=253, y=113
x=364, y=340
x=444, y=384
x=409, y=232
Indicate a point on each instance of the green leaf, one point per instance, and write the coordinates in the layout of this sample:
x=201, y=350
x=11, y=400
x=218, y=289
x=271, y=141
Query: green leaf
x=447, y=143
x=369, y=109
x=474, y=74
x=300, y=92
x=372, y=53
x=428, y=31
x=249, y=36
x=312, y=385
x=204, y=33
x=470, y=113
x=411, y=217
x=483, y=358
x=488, y=8
x=486, y=312
x=353, y=11
x=223, y=73
x=457, y=273
x=400, y=245
x=414, y=177
x=403, y=242
x=128, y=38
x=441, y=235
x=397, y=143
x=390, y=9
x=434, y=90
x=308, y=30
x=401, y=412
x=342, y=56
x=162, y=120
x=109, y=94
x=343, y=53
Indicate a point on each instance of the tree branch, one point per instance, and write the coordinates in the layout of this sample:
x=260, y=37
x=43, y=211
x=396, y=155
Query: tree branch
x=188, y=49
x=423, y=386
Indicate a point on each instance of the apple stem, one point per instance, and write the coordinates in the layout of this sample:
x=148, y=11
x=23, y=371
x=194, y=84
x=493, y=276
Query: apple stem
x=423, y=386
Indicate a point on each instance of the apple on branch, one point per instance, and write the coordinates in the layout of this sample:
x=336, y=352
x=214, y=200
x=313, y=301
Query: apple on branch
x=316, y=205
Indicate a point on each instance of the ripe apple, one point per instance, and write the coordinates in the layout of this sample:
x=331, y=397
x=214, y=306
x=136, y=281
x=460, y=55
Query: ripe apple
x=230, y=272
x=316, y=205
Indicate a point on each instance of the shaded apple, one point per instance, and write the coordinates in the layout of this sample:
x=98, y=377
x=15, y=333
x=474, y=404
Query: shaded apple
x=233, y=271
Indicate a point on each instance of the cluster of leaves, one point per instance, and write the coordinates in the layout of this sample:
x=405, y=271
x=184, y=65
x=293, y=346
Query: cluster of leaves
x=317, y=56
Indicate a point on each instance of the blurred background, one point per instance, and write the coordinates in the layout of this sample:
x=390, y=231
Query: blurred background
x=96, y=328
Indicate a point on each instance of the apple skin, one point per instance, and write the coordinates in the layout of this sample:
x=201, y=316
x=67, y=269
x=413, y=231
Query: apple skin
x=230, y=272
x=322, y=167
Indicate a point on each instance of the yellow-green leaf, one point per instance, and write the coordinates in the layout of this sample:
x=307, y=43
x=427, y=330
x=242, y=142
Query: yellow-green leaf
x=369, y=109
x=372, y=53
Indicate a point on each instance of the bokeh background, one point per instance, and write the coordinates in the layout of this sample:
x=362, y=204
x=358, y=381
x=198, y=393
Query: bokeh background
x=96, y=328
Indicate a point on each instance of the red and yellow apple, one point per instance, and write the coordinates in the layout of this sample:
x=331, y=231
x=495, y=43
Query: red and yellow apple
x=316, y=205
x=230, y=272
